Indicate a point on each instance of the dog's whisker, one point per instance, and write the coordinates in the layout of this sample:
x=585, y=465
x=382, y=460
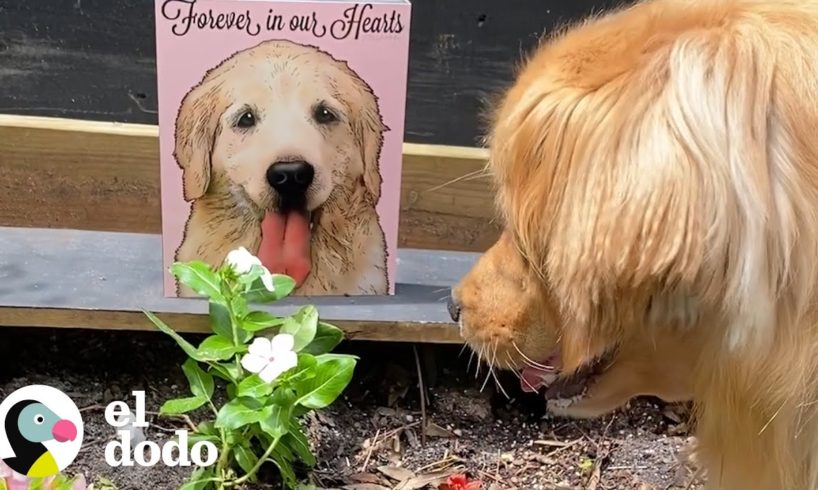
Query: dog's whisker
x=488, y=377
x=467, y=176
x=494, y=374
x=519, y=375
x=528, y=360
x=479, y=361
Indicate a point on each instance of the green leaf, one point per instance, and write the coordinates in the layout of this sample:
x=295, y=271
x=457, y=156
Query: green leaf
x=327, y=337
x=299, y=444
x=286, y=469
x=276, y=423
x=220, y=320
x=207, y=428
x=194, y=438
x=249, y=277
x=216, y=348
x=200, y=478
x=182, y=405
x=303, y=325
x=227, y=371
x=254, y=387
x=258, y=293
x=331, y=378
x=240, y=412
x=184, y=344
x=260, y=320
x=199, y=277
x=245, y=457
x=201, y=383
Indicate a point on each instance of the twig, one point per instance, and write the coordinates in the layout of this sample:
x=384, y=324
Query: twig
x=596, y=476
x=693, y=479
x=185, y=418
x=566, y=446
x=371, y=450
x=92, y=407
x=440, y=465
x=422, y=397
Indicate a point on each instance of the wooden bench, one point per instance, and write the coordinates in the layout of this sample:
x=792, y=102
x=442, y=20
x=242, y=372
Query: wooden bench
x=80, y=244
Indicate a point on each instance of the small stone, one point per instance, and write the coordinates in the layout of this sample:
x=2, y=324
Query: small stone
x=458, y=432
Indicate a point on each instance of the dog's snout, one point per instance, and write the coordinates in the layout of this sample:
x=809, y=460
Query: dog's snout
x=454, y=309
x=290, y=179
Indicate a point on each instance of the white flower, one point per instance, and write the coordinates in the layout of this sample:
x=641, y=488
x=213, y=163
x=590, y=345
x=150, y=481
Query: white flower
x=270, y=357
x=241, y=260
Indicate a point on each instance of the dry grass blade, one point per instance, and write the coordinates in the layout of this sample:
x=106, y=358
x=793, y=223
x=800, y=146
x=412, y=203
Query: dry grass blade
x=370, y=450
x=396, y=473
x=422, y=397
x=421, y=481
x=596, y=476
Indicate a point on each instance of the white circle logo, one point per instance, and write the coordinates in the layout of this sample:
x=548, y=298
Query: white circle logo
x=41, y=431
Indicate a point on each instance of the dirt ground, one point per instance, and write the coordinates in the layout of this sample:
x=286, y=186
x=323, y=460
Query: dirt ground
x=371, y=438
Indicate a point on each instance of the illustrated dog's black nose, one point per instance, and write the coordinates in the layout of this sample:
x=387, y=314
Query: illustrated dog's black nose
x=290, y=179
x=454, y=309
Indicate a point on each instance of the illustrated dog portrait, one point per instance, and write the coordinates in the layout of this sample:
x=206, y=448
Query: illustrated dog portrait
x=279, y=147
x=657, y=175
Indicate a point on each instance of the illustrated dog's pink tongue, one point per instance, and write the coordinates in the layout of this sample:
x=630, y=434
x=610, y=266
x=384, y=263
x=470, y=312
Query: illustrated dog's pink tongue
x=285, y=244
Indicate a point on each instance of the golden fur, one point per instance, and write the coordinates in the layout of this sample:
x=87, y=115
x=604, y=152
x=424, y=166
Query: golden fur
x=224, y=169
x=657, y=172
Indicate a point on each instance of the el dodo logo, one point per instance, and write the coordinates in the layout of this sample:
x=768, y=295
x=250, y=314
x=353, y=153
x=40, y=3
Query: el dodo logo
x=40, y=431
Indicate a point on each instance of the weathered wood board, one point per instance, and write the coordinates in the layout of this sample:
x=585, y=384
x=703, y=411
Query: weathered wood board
x=89, y=175
x=95, y=59
x=86, y=279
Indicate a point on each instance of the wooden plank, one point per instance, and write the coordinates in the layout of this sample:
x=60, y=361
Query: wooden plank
x=95, y=59
x=91, y=175
x=86, y=279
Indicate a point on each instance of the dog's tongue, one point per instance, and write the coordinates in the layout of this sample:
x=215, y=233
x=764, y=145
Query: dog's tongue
x=532, y=379
x=285, y=244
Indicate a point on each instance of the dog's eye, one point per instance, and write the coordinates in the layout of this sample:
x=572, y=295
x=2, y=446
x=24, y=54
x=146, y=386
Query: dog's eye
x=246, y=120
x=324, y=115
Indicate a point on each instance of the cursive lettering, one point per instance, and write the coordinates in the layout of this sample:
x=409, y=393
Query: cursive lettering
x=183, y=11
x=356, y=22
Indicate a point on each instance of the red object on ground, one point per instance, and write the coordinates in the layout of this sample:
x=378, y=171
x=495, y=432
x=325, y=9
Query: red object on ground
x=460, y=482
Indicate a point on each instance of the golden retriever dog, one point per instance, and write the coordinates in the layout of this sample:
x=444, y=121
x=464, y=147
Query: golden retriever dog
x=657, y=175
x=279, y=146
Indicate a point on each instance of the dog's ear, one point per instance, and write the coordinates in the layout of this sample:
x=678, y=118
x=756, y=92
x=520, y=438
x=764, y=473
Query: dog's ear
x=196, y=126
x=369, y=128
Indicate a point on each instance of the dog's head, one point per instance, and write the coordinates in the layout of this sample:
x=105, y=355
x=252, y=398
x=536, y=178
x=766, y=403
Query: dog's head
x=280, y=127
x=625, y=226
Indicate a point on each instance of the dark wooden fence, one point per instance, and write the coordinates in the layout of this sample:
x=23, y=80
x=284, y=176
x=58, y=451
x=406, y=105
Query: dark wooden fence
x=94, y=59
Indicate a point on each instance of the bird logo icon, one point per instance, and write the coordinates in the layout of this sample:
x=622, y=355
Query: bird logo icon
x=42, y=431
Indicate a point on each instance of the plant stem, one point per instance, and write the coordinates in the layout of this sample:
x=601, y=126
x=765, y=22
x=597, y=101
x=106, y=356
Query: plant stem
x=224, y=454
x=258, y=464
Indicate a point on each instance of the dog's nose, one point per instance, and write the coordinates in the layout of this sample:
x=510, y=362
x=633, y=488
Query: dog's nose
x=454, y=309
x=290, y=179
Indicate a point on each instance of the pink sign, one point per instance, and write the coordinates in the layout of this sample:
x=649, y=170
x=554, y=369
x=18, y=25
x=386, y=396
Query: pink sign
x=281, y=128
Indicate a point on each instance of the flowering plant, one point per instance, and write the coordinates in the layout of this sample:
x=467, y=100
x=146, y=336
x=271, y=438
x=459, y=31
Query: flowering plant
x=11, y=480
x=273, y=370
